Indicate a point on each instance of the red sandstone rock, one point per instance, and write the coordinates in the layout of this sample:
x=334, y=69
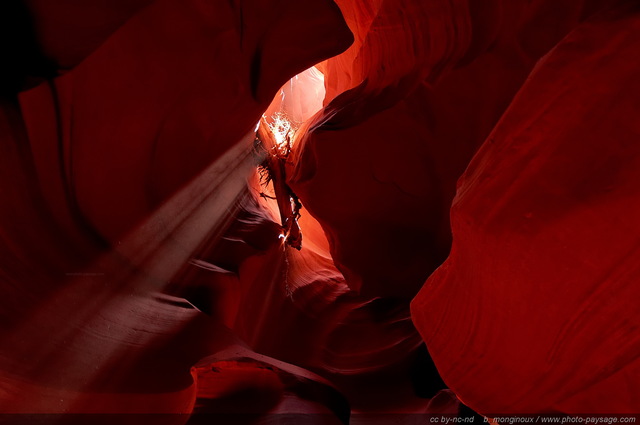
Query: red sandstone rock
x=535, y=310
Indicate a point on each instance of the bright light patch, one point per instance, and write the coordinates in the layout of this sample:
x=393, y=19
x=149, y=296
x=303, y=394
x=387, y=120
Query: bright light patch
x=283, y=132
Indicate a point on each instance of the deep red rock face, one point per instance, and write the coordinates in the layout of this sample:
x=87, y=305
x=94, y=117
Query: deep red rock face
x=543, y=266
x=487, y=148
x=379, y=168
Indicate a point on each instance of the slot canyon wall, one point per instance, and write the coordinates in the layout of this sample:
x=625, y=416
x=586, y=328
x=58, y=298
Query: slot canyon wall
x=468, y=174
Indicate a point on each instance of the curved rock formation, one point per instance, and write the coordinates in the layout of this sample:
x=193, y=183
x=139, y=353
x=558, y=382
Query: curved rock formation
x=487, y=148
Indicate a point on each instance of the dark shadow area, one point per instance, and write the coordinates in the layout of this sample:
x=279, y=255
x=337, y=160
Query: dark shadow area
x=22, y=62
